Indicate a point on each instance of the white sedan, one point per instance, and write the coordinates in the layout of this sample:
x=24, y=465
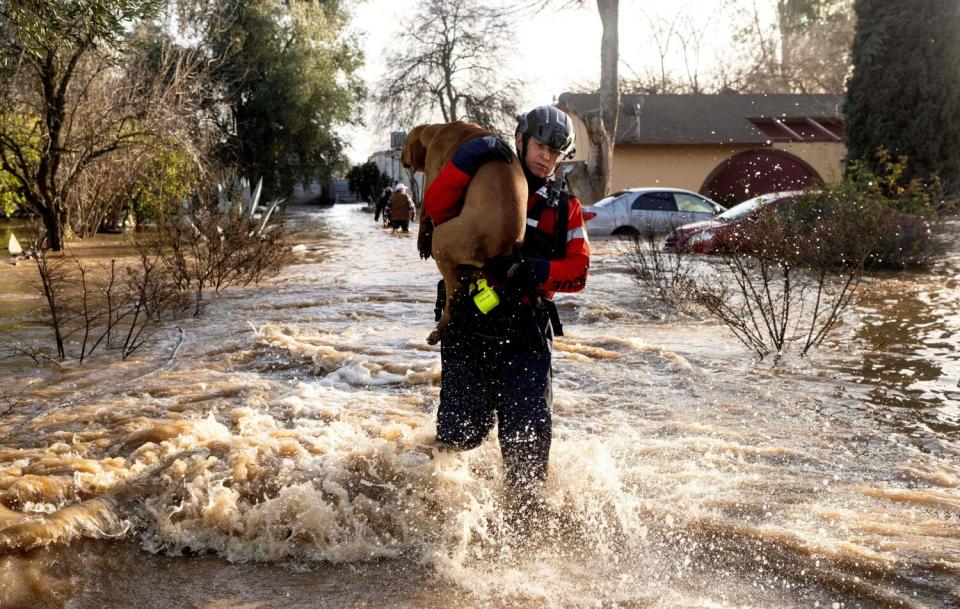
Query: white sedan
x=638, y=211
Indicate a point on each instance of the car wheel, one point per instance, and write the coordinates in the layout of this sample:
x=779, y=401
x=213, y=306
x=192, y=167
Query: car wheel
x=625, y=231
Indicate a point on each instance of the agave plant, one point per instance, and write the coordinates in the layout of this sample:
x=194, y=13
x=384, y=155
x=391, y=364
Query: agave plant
x=247, y=203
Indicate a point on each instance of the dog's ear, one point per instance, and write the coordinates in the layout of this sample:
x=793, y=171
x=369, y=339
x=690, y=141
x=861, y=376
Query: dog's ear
x=428, y=133
x=413, y=156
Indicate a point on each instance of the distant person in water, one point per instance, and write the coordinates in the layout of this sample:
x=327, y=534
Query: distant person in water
x=382, y=206
x=402, y=210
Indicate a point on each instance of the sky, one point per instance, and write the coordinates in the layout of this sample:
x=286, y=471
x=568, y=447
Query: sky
x=572, y=60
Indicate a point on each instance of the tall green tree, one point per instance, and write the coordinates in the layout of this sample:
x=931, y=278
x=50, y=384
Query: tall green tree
x=367, y=181
x=285, y=80
x=50, y=53
x=904, y=94
x=10, y=198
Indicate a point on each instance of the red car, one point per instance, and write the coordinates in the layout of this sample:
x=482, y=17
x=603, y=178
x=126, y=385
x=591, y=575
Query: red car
x=715, y=235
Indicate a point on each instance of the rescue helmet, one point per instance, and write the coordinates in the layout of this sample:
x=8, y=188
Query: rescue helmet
x=549, y=126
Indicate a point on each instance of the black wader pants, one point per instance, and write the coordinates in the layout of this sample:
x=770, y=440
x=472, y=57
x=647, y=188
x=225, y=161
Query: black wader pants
x=496, y=368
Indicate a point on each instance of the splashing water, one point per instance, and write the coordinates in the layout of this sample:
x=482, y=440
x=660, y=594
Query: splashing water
x=285, y=454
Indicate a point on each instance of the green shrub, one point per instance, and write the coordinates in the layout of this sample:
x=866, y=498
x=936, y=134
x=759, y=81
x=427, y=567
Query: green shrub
x=10, y=198
x=169, y=175
x=866, y=220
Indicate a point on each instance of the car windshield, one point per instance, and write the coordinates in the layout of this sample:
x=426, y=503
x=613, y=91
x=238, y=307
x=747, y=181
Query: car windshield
x=744, y=209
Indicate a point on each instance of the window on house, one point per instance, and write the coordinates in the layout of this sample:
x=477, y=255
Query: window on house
x=800, y=129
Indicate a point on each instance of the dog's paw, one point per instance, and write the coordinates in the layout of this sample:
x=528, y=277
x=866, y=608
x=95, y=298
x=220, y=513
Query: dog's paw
x=425, y=242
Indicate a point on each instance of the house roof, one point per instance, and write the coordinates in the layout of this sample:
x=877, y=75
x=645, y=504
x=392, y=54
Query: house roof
x=724, y=118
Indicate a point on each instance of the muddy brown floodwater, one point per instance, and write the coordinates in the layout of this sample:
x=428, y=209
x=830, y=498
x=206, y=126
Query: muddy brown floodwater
x=277, y=452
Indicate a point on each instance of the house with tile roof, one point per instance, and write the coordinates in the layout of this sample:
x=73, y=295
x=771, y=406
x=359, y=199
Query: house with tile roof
x=727, y=146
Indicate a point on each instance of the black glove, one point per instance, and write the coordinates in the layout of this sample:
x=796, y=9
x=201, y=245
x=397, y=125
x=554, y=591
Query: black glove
x=425, y=238
x=470, y=156
x=520, y=272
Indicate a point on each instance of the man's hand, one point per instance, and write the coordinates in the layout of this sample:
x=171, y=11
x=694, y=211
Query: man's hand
x=525, y=273
x=425, y=238
x=470, y=156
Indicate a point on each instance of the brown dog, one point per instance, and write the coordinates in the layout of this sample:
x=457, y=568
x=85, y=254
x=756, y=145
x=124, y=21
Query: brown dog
x=493, y=217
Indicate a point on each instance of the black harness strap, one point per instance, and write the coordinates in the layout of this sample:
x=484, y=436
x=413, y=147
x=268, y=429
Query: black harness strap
x=554, y=247
x=557, y=246
x=561, y=225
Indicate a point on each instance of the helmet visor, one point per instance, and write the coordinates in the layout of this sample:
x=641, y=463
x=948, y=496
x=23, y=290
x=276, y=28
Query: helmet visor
x=554, y=136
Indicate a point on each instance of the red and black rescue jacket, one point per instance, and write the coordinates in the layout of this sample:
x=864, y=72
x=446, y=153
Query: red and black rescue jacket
x=561, y=240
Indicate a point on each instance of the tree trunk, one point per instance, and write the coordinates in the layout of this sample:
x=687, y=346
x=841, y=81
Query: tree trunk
x=326, y=190
x=54, y=220
x=51, y=196
x=603, y=131
x=787, y=31
x=592, y=182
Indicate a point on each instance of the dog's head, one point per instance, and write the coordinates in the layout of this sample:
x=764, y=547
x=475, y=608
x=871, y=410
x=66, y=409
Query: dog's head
x=413, y=156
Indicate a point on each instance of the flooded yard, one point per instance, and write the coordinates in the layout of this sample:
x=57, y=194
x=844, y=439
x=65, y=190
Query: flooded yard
x=278, y=451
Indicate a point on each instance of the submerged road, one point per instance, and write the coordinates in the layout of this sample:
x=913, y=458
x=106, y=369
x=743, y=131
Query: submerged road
x=283, y=457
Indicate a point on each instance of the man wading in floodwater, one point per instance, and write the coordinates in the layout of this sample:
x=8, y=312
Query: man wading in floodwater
x=496, y=363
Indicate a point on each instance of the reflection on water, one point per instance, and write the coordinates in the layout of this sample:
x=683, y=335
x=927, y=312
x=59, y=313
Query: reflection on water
x=278, y=451
x=908, y=338
x=19, y=285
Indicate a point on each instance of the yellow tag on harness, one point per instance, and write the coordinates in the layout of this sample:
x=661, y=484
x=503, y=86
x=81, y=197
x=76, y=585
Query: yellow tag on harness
x=486, y=297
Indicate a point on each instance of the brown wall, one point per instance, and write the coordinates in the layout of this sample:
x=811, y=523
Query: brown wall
x=668, y=166
x=687, y=166
x=825, y=157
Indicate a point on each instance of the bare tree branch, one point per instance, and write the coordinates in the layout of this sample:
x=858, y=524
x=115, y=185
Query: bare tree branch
x=67, y=113
x=450, y=63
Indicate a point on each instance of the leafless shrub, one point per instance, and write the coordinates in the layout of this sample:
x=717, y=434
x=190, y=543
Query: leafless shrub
x=114, y=306
x=15, y=347
x=783, y=281
x=780, y=281
x=206, y=250
x=13, y=397
x=172, y=271
x=52, y=278
x=665, y=273
x=7, y=405
x=768, y=305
